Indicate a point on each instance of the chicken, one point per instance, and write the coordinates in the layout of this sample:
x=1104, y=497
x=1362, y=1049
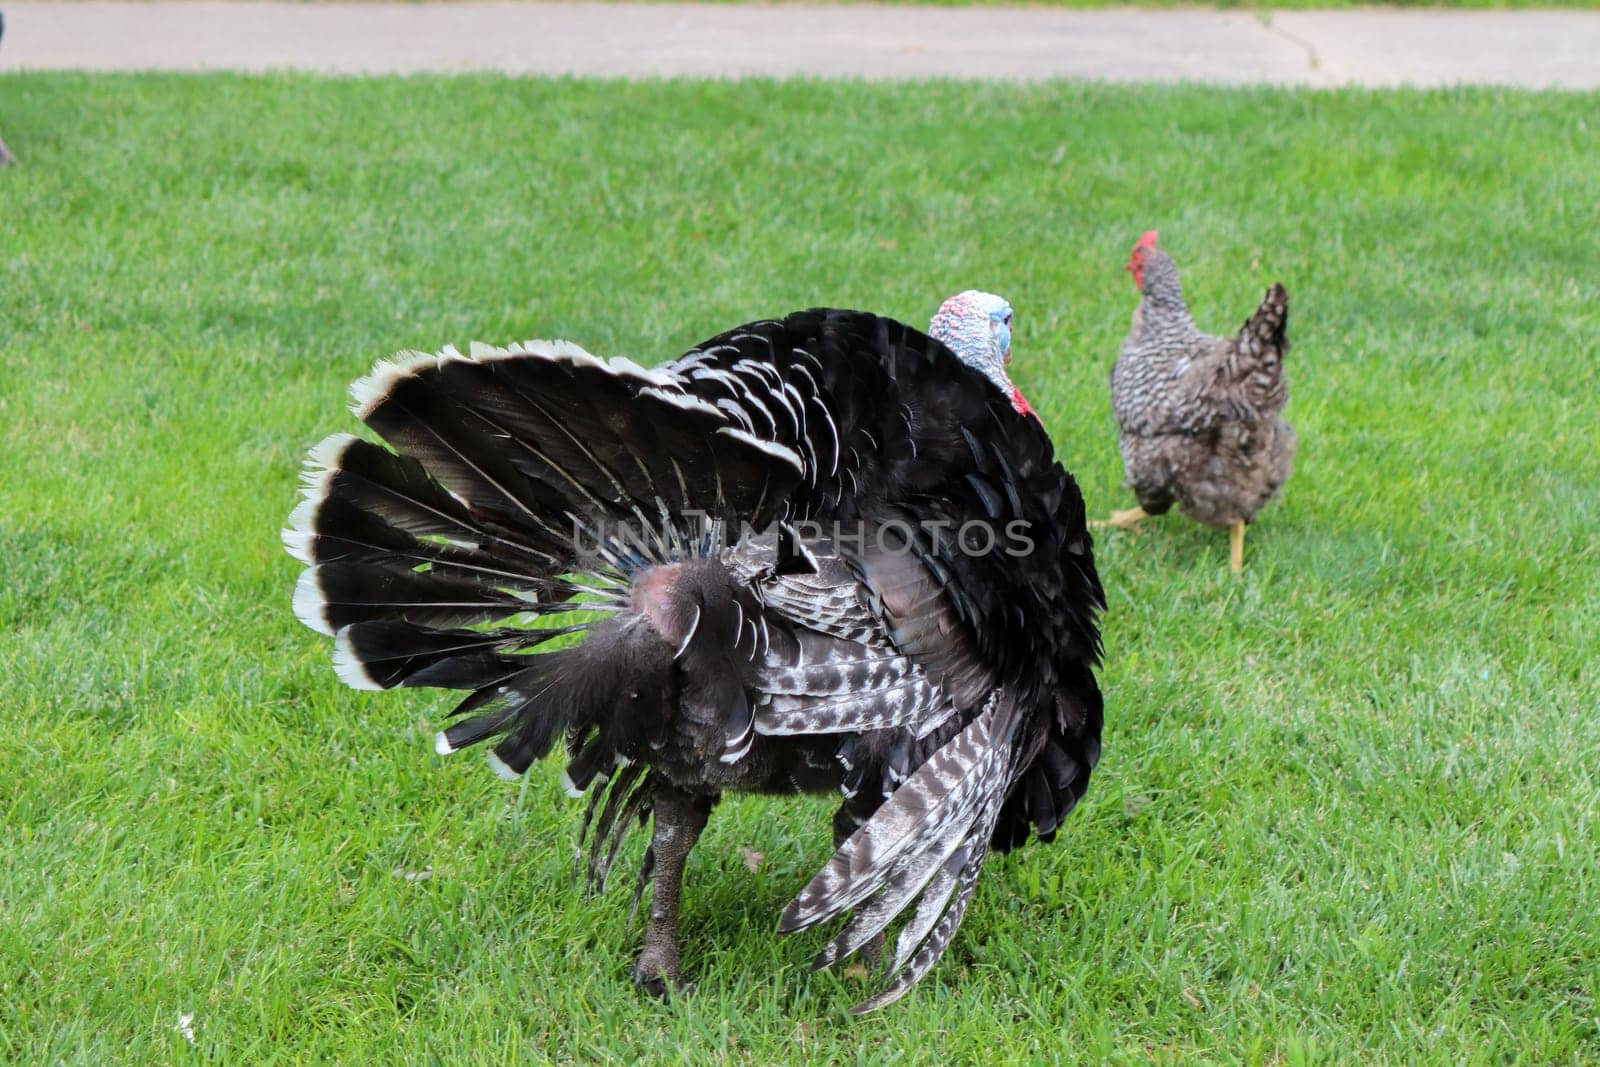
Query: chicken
x=1201, y=417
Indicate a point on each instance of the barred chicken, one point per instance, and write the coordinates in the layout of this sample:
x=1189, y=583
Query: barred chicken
x=1201, y=417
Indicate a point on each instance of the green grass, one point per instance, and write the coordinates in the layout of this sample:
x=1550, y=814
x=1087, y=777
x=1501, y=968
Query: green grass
x=1347, y=808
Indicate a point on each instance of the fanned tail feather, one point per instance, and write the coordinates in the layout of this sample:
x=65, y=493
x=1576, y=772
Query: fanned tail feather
x=938, y=794
x=388, y=654
x=527, y=483
x=929, y=838
x=934, y=944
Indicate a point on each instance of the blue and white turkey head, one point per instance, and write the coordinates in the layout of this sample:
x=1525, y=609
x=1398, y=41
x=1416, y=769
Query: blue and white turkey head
x=976, y=326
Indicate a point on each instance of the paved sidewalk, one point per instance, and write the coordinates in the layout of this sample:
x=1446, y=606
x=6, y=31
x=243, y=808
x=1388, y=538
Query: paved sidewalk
x=1535, y=49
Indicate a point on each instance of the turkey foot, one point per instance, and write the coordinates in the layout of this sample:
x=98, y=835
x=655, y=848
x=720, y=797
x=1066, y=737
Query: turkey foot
x=6, y=158
x=656, y=973
x=678, y=820
x=1123, y=520
x=1236, y=547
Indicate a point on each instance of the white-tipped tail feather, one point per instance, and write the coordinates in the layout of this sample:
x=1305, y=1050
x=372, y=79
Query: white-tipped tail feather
x=348, y=666
x=297, y=536
x=325, y=455
x=321, y=462
x=482, y=352
x=368, y=392
x=501, y=769
x=310, y=604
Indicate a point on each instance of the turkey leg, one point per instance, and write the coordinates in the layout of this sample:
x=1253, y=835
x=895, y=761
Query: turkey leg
x=679, y=818
x=1236, y=547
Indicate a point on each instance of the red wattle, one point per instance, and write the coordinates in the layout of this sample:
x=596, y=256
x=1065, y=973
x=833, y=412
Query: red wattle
x=1020, y=402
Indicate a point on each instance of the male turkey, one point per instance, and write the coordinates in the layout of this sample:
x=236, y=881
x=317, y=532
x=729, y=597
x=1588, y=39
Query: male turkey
x=1201, y=417
x=811, y=554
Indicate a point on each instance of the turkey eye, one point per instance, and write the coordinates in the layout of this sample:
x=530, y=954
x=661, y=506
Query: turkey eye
x=1007, y=319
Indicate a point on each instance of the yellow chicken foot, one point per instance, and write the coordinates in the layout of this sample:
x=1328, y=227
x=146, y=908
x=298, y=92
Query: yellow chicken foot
x=1236, y=547
x=1122, y=520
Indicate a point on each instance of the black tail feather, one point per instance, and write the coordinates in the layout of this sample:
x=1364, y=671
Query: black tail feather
x=471, y=731
x=390, y=653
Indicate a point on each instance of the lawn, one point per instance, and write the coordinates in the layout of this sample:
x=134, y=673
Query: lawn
x=1348, y=803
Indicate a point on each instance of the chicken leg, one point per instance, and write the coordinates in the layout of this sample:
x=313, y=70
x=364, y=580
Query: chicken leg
x=1122, y=520
x=679, y=817
x=1236, y=546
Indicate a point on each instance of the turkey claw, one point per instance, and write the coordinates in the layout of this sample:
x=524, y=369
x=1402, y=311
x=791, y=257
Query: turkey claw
x=659, y=980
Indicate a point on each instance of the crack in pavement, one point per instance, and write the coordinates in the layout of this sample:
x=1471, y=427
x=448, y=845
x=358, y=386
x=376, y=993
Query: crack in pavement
x=1313, y=59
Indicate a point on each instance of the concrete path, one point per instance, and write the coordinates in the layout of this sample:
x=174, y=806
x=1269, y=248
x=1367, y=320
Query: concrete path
x=1538, y=49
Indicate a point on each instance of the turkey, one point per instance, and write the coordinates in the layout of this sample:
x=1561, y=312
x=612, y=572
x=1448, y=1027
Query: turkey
x=820, y=553
x=1201, y=417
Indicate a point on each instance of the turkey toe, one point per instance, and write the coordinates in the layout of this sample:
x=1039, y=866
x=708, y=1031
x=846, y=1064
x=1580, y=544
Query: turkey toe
x=656, y=972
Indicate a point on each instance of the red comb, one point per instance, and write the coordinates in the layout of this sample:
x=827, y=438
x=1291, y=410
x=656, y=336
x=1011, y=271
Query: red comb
x=1147, y=239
